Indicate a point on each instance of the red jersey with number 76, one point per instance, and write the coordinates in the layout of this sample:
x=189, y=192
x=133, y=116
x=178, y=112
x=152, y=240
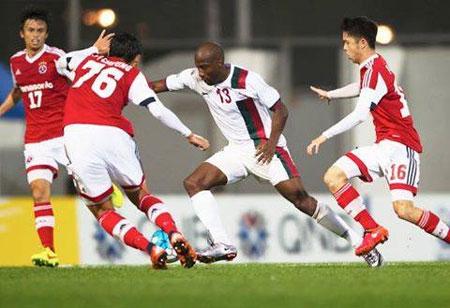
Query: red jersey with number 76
x=99, y=92
x=44, y=92
x=389, y=109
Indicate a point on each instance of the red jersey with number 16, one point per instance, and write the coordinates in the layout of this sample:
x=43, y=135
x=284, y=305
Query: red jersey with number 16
x=100, y=92
x=389, y=109
x=44, y=92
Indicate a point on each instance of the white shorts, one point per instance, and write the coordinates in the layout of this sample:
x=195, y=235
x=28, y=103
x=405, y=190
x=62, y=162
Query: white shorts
x=42, y=159
x=237, y=161
x=99, y=155
x=396, y=162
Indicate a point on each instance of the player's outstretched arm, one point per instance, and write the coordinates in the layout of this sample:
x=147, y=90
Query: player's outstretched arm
x=266, y=150
x=348, y=91
x=168, y=118
x=70, y=61
x=10, y=101
x=158, y=86
x=356, y=117
x=141, y=94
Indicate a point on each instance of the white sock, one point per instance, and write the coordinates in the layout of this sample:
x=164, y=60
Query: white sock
x=328, y=219
x=207, y=210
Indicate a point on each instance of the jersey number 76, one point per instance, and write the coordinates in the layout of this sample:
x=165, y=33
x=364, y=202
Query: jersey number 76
x=106, y=81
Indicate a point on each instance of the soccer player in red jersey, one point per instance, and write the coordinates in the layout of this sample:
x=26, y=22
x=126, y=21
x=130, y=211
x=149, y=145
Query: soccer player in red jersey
x=396, y=152
x=43, y=91
x=100, y=146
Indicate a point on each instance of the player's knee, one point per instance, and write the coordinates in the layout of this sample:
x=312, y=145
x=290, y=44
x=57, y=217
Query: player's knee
x=404, y=209
x=194, y=185
x=99, y=210
x=334, y=178
x=40, y=191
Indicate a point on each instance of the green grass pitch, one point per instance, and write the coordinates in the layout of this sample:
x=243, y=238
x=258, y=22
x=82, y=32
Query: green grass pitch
x=229, y=285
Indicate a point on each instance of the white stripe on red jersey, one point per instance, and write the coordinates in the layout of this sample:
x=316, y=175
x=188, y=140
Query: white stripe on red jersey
x=389, y=107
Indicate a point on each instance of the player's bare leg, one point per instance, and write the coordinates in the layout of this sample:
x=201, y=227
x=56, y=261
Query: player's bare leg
x=45, y=223
x=349, y=199
x=198, y=185
x=427, y=220
x=119, y=227
x=158, y=213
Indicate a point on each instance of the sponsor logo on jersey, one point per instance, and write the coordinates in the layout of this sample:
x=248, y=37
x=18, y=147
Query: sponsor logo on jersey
x=37, y=86
x=42, y=68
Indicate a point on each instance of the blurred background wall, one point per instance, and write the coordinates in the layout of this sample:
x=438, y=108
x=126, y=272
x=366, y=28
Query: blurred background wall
x=293, y=44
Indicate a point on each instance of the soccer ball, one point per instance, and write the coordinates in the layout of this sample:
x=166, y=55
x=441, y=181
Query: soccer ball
x=161, y=239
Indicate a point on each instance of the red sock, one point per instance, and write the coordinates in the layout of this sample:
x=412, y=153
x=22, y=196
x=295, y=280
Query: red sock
x=44, y=221
x=158, y=213
x=122, y=229
x=349, y=199
x=366, y=220
x=432, y=224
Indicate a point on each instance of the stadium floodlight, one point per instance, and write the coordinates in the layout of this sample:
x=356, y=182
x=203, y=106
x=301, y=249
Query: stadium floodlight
x=385, y=34
x=106, y=17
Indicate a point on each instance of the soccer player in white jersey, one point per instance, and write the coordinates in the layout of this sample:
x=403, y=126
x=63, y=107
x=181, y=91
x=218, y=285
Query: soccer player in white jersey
x=240, y=102
x=395, y=154
x=100, y=147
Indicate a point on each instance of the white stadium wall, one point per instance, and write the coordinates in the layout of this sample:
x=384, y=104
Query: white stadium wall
x=266, y=228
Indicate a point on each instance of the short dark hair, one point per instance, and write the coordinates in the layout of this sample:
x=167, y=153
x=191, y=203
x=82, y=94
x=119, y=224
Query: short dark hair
x=126, y=46
x=361, y=27
x=36, y=14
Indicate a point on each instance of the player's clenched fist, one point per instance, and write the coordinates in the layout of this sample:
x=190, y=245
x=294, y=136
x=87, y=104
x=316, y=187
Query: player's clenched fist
x=198, y=141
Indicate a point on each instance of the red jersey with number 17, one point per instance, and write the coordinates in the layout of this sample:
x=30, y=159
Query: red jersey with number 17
x=390, y=110
x=99, y=93
x=44, y=92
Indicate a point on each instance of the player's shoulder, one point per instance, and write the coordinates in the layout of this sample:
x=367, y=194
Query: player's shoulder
x=55, y=51
x=379, y=63
x=240, y=76
x=17, y=56
x=188, y=76
x=375, y=63
x=191, y=73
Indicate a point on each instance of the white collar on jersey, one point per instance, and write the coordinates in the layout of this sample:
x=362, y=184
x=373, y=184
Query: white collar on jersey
x=364, y=63
x=36, y=56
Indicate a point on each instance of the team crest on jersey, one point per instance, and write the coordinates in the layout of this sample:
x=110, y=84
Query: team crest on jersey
x=29, y=159
x=42, y=67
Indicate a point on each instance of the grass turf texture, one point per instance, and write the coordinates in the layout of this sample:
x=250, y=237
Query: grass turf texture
x=231, y=285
